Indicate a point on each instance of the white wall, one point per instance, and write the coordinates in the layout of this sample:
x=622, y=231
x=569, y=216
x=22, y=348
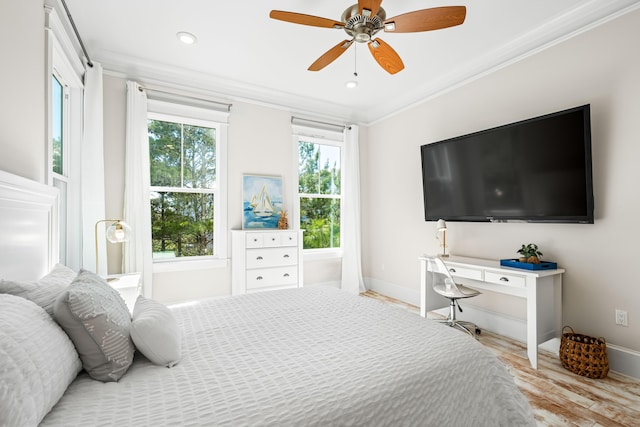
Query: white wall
x=22, y=106
x=600, y=67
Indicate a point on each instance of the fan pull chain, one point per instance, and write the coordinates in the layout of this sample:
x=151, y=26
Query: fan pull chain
x=355, y=60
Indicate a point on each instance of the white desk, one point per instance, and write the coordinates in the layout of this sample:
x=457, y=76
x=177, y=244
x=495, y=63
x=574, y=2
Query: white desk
x=542, y=290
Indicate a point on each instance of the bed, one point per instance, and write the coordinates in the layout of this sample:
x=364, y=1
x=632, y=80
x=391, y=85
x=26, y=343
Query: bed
x=308, y=356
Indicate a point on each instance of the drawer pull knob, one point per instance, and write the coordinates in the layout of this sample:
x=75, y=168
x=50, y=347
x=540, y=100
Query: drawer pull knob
x=286, y=255
x=259, y=278
x=273, y=239
x=452, y=270
x=286, y=274
x=504, y=279
x=255, y=240
x=259, y=258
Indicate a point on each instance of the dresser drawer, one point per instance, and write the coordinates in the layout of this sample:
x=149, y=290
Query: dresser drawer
x=254, y=240
x=506, y=279
x=271, y=257
x=465, y=272
x=271, y=239
x=269, y=277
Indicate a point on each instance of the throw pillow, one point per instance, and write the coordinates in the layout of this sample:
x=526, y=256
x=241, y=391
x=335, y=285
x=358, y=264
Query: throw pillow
x=38, y=362
x=155, y=332
x=97, y=320
x=43, y=292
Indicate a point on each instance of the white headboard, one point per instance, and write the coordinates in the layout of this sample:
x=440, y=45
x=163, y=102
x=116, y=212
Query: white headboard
x=29, y=242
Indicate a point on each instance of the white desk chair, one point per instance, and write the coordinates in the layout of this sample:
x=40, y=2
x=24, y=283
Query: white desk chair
x=443, y=283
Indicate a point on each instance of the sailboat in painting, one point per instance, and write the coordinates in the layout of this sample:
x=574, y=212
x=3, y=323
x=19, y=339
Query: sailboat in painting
x=263, y=206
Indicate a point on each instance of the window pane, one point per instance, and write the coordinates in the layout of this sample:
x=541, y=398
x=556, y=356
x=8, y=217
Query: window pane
x=181, y=224
x=165, y=146
x=56, y=128
x=319, y=171
x=199, y=157
x=320, y=218
x=308, y=173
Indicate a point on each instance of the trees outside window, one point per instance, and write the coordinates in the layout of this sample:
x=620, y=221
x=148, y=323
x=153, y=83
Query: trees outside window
x=319, y=193
x=183, y=167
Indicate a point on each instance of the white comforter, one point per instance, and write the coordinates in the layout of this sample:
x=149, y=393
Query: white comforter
x=305, y=357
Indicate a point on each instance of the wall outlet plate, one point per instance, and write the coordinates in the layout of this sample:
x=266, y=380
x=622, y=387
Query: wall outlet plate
x=622, y=318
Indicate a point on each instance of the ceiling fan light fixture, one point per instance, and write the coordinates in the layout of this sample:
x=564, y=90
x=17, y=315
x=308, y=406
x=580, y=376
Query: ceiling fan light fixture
x=351, y=84
x=389, y=26
x=186, y=38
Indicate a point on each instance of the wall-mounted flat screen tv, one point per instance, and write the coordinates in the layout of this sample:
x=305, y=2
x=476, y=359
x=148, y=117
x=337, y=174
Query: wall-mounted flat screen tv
x=535, y=170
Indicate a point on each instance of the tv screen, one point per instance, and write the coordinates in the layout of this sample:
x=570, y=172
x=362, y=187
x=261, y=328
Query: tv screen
x=536, y=170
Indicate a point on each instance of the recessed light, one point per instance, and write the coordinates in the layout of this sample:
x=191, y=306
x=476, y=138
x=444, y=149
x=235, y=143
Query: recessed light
x=351, y=84
x=186, y=38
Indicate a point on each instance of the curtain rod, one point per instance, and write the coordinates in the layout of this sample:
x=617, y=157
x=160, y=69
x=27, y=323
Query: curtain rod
x=344, y=126
x=75, y=30
x=148, y=89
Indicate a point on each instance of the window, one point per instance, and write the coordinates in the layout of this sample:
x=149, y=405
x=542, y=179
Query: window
x=64, y=98
x=185, y=186
x=57, y=124
x=319, y=192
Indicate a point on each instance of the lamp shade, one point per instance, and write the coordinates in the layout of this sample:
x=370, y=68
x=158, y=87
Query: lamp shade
x=441, y=225
x=118, y=232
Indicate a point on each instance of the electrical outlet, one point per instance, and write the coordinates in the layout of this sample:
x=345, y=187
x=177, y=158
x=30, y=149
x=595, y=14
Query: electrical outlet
x=621, y=318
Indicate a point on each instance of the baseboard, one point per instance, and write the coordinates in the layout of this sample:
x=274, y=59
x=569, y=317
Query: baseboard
x=624, y=360
x=621, y=360
x=497, y=323
x=331, y=284
x=409, y=296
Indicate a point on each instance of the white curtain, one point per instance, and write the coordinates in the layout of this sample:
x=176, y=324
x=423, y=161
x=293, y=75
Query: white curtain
x=137, y=208
x=351, y=236
x=92, y=171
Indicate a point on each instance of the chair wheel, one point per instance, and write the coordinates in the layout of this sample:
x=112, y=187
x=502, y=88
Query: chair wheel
x=478, y=331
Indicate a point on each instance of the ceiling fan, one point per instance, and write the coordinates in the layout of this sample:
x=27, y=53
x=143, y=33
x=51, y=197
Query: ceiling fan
x=364, y=20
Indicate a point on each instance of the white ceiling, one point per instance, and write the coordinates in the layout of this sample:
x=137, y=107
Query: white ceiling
x=243, y=54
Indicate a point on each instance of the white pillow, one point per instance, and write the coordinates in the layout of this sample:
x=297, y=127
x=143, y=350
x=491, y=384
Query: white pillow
x=97, y=320
x=38, y=362
x=43, y=292
x=155, y=332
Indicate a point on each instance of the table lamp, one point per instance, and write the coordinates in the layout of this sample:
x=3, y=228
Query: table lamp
x=117, y=232
x=441, y=226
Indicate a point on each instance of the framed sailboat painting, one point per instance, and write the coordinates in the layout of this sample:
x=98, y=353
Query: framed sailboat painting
x=261, y=201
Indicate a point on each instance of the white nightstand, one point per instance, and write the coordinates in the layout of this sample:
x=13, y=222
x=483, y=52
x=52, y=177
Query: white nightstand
x=128, y=285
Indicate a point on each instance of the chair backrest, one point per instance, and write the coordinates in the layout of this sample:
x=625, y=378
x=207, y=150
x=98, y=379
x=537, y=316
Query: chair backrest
x=441, y=279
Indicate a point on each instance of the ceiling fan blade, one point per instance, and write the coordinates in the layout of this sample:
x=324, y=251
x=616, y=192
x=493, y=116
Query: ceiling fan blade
x=330, y=55
x=426, y=19
x=301, y=18
x=372, y=5
x=385, y=56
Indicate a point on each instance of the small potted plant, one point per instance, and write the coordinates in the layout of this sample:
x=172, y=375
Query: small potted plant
x=530, y=254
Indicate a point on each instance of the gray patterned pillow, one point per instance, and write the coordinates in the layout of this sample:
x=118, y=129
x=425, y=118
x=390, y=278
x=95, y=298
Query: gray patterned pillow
x=43, y=292
x=38, y=362
x=97, y=320
x=155, y=332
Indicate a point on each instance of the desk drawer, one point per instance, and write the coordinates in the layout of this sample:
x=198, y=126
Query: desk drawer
x=465, y=272
x=505, y=279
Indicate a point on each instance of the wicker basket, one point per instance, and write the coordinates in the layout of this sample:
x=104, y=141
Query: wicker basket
x=583, y=355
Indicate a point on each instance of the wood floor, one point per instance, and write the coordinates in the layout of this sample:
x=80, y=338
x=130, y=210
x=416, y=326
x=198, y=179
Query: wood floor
x=560, y=397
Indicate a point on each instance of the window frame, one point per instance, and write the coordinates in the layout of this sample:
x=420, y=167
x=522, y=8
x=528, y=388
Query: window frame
x=176, y=112
x=63, y=63
x=298, y=136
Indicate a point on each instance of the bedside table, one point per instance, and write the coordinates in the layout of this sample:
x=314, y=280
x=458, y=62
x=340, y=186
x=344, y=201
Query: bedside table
x=128, y=285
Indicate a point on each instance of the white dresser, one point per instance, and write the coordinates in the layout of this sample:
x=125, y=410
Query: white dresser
x=265, y=260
